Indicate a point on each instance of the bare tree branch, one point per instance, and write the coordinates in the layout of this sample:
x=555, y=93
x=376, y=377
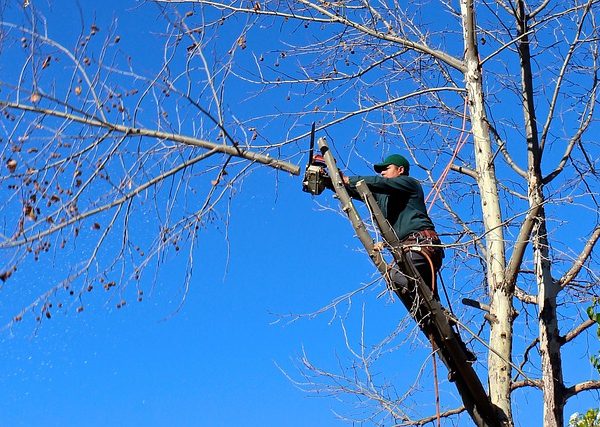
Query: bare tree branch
x=571, y=335
x=584, y=386
x=581, y=259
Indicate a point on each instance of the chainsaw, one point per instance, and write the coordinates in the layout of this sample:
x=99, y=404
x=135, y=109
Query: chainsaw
x=315, y=175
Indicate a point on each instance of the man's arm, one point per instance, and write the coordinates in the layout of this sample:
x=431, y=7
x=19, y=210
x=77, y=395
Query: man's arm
x=378, y=184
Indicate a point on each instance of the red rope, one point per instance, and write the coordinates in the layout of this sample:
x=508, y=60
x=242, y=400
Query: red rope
x=435, y=191
x=437, y=187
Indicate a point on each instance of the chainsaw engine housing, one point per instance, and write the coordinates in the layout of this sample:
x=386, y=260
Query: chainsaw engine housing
x=314, y=180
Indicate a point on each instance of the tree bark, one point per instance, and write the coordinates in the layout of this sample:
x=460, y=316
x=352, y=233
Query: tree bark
x=500, y=294
x=549, y=336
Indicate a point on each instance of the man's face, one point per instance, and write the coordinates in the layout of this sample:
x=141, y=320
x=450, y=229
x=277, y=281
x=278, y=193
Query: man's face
x=392, y=171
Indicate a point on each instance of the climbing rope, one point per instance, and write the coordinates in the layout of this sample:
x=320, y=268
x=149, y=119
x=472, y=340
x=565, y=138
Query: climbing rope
x=462, y=139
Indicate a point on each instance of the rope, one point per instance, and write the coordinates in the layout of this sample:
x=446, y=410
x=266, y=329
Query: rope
x=437, y=187
x=435, y=191
x=436, y=386
x=437, y=391
x=446, y=295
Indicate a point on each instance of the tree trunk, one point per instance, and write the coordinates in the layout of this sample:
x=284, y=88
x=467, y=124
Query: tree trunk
x=550, y=346
x=552, y=377
x=500, y=294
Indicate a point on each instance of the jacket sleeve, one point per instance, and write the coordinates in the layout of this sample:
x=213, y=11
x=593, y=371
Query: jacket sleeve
x=382, y=185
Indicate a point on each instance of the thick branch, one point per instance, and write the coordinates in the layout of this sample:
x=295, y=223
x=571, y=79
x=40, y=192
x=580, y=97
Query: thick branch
x=464, y=171
x=516, y=258
x=431, y=419
x=524, y=296
x=348, y=208
x=584, y=386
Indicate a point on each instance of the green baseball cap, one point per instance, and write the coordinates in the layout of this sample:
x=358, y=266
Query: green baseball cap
x=393, y=159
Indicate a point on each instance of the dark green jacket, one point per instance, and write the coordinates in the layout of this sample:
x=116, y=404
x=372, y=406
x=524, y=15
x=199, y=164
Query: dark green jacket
x=401, y=200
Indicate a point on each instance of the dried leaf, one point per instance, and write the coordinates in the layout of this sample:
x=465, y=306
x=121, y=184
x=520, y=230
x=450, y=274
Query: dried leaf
x=11, y=164
x=192, y=47
x=241, y=41
x=46, y=62
x=29, y=212
x=5, y=275
x=78, y=90
x=109, y=285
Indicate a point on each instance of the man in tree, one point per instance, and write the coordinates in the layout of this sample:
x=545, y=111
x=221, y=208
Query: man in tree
x=400, y=198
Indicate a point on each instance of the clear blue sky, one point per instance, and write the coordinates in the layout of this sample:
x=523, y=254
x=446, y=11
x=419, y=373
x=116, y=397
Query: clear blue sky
x=220, y=359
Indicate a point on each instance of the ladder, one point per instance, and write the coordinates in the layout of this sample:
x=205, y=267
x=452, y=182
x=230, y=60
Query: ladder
x=425, y=309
